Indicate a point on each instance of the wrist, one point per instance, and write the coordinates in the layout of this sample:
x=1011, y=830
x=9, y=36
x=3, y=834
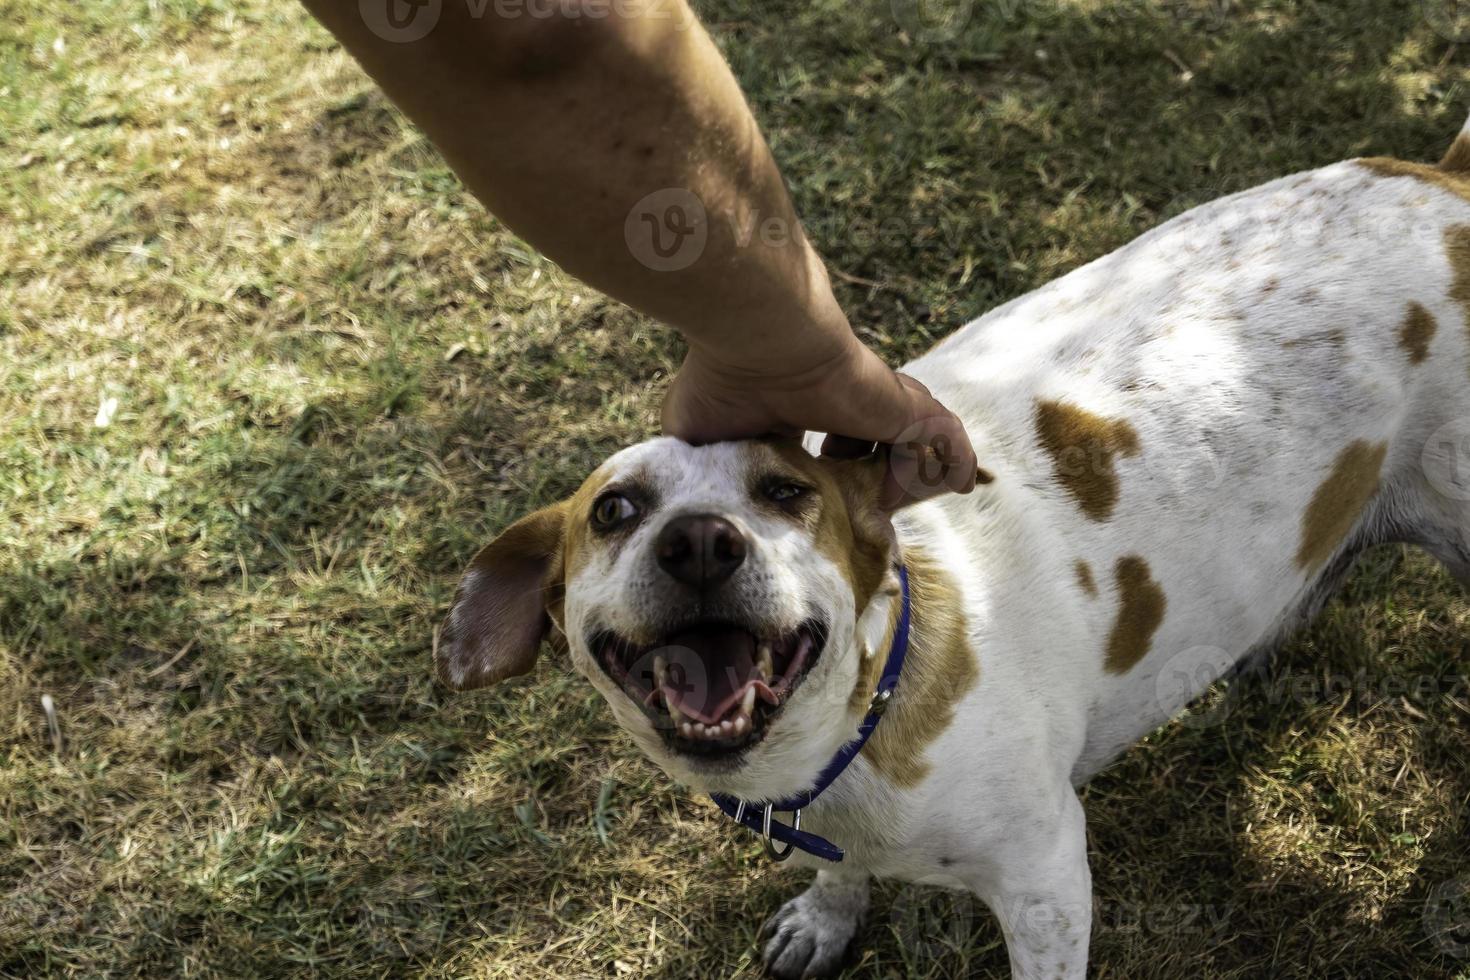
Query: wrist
x=790, y=338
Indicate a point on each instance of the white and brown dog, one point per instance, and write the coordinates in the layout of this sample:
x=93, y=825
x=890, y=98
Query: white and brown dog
x=1191, y=438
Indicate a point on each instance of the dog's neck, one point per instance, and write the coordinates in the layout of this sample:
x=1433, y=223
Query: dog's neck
x=940, y=668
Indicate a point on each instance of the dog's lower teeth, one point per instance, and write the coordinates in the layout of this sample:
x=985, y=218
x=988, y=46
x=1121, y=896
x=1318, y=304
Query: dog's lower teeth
x=748, y=704
x=741, y=725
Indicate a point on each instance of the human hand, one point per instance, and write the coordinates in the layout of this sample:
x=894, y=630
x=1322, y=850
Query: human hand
x=849, y=393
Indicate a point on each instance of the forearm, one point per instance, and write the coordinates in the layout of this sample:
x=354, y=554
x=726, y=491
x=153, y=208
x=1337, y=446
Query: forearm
x=560, y=124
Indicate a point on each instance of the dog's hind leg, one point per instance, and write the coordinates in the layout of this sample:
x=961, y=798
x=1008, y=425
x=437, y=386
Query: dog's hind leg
x=1449, y=544
x=1454, y=557
x=810, y=933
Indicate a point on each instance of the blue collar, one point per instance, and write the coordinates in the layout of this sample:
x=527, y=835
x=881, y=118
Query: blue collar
x=758, y=818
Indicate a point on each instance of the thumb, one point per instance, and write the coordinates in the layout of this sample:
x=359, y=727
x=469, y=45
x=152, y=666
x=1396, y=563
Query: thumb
x=931, y=454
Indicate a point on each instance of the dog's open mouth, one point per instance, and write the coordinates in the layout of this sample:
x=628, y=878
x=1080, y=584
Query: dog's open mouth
x=712, y=688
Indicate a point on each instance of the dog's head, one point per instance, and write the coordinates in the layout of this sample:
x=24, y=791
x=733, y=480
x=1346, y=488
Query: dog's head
x=731, y=602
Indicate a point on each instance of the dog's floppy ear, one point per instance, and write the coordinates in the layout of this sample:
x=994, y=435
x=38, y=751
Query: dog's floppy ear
x=499, y=616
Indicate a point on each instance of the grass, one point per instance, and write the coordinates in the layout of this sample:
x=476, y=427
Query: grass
x=335, y=376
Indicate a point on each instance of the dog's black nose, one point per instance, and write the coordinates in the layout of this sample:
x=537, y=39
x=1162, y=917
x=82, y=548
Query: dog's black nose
x=701, y=550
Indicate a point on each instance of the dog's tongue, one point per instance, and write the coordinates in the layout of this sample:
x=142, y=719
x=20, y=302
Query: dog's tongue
x=709, y=670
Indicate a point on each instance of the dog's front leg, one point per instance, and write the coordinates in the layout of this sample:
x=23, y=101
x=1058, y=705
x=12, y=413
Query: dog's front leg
x=809, y=934
x=1042, y=896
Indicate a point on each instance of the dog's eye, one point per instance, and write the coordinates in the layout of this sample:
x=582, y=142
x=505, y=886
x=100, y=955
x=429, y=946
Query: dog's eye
x=783, y=493
x=612, y=510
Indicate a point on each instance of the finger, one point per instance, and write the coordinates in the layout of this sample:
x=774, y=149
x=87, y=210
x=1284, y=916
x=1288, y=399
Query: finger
x=930, y=457
x=963, y=470
x=846, y=447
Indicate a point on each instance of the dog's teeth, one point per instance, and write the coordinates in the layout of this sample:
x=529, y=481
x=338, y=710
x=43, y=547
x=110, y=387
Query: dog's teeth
x=764, y=662
x=726, y=727
x=660, y=669
x=674, y=713
x=748, y=704
x=741, y=724
x=687, y=730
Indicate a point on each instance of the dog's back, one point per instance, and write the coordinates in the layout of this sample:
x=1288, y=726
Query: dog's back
x=1200, y=430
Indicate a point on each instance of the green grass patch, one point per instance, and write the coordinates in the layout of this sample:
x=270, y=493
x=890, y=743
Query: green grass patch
x=332, y=376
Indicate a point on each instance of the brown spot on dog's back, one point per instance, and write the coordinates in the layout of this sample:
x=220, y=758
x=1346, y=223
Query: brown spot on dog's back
x=1454, y=181
x=1141, y=604
x=1457, y=157
x=1416, y=332
x=940, y=669
x=1084, y=577
x=1457, y=250
x=1084, y=448
x=1338, y=501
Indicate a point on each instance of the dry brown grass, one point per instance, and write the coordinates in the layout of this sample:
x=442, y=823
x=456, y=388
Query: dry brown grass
x=335, y=376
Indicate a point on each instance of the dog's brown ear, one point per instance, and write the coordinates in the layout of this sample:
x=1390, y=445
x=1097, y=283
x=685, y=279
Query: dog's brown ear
x=499, y=616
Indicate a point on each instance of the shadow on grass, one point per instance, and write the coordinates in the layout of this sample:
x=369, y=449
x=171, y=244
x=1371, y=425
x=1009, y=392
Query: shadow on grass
x=348, y=819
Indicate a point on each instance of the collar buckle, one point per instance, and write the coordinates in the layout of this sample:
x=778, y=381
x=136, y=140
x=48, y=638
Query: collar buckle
x=771, y=851
x=881, y=700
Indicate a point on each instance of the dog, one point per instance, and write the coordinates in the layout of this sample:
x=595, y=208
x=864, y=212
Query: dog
x=1189, y=439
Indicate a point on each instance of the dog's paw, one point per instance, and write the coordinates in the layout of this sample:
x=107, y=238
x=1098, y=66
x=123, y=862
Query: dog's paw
x=807, y=937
